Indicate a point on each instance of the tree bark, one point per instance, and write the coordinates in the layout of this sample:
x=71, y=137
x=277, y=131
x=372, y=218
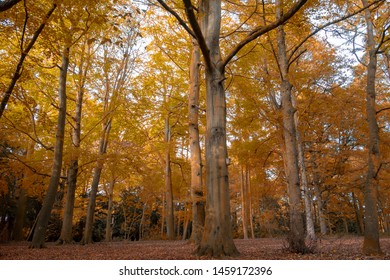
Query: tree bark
x=296, y=237
x=44, y=216
x=217, y=239
x=244, y=204
x=109, y=212
x=66, y=230
x=371, y=230
x=197, y=197
x=87, y=238
x=310, y=232
x=168, y=182
x=8, y=4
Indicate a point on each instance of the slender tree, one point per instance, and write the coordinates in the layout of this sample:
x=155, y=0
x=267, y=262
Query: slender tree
x=197, y=196
x=38, y=240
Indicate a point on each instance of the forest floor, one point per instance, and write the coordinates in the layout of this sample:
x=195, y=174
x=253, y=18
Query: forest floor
x=329, y=248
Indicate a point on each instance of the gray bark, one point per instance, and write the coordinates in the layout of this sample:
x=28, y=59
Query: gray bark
x=296, y=237
x=197, y=197
x=371, y=230
x=66, y=230
x=168, y=183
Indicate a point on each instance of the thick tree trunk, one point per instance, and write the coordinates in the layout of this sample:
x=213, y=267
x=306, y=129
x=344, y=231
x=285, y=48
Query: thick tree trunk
x=371, y=230
x=296, y=237
x=44, y=216
x=197, y=197
x=217, y=239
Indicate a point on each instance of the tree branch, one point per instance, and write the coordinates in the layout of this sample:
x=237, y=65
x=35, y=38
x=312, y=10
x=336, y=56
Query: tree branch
x=198, y=32
x=260, y=30
x=8, y=4
x=177, y=16
x=328, y=24
x=23, y=56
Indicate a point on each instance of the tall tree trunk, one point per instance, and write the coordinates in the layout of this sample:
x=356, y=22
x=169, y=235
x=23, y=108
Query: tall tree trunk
x=197, y=197
x=296, y=237
x=217, y=239
x=371, y=230
x=168, y=183
x=44, y=216
x=66, y=230
x=87, y=238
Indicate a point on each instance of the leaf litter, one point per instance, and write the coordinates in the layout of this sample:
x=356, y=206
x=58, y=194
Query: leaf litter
x=328, y=248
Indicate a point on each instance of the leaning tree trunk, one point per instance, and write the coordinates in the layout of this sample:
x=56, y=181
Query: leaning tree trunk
x=296, y=237
x=371, y=229
x=87, y=238
x=38, y=240
x=197, y=197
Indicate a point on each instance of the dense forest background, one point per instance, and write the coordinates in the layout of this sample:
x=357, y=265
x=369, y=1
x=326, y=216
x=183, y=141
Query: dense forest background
x=129, y=120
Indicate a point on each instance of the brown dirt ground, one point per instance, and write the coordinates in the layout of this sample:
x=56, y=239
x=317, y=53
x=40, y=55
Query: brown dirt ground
x=330, y=248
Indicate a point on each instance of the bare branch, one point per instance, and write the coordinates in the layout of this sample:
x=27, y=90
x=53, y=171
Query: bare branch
x=177, y=16
x=8, y=4
x=23, y=56
x=261, y=30
x=329, y=24
x=198, y=32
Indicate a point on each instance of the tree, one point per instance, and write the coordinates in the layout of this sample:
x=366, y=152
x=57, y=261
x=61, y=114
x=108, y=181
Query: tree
x=371, y=233
x=197, y=196
x=44, y=215
x=217, y=238
x=117, y=63
x=66, y=231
